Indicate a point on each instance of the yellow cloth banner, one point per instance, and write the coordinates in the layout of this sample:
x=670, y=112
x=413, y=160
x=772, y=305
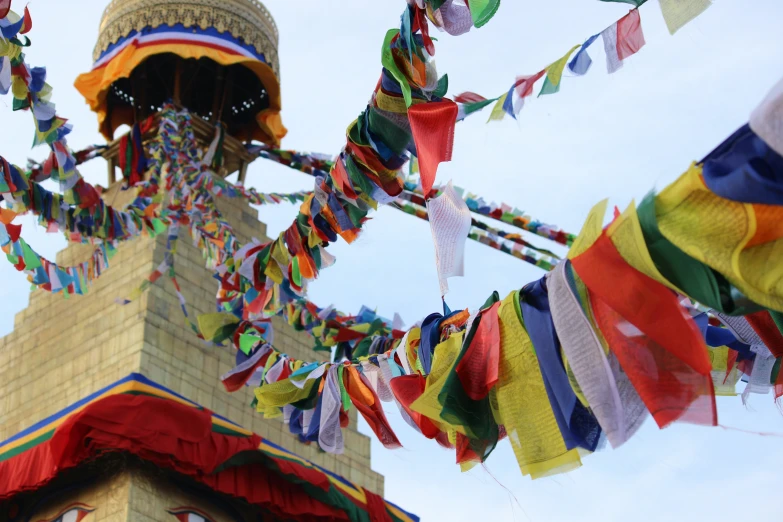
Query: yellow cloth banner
x=742, y=241
x=591, y=230
x=443, y=362
x=523, y=404
x=554, y=72
x=626, y=235
x=677, y=13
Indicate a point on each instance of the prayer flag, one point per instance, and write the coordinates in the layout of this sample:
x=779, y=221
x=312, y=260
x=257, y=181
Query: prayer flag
x=450, y=223
x=623, y=39
x=432, y=125
x=554, y=73
x=581, y=62
x=677, y=13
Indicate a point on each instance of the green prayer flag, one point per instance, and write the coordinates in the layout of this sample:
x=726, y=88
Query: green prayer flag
x=158, y=226
x=394, y=137
x=31, y=259
x=387, y=60
x=482, y=11
x=470, y=108
x=475, y=417
x=210, y=325
x=554, y=73
x=247, y=342
x=343, y=392
x=442, y=88
x=696, y=279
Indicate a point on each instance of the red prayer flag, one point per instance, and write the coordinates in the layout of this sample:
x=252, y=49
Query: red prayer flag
x=766, y=328
x=657, y=343
x=5, y=6
x=367, y=402
x=13, y=231
x=630, y=38
x=236, y=378
x=28, y=22
x=478, y=368
x=406, y=390
x=525, y=84
x=432, y=125
x=340, y=177
x=469, y=97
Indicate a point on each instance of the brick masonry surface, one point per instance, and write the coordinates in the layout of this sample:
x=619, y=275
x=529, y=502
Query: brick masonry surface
x=61, y=350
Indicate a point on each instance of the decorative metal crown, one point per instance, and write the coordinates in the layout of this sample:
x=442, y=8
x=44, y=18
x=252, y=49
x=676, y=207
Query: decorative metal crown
x=248, y=20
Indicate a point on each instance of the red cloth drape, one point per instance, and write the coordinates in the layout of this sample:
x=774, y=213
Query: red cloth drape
x=656, y=342
x=173, y=436
x=766, y=328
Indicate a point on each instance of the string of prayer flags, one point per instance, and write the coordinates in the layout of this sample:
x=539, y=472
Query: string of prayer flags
x=408, y=99
x=470, y=102
x=622, y=39
x=31, y=91
x=581, y=61
x=132, y=161
x=507, y=244
x=514, y=100
x=450, y=223
x=317, y=165
x=598, y=357
x=466, y=380
x=555, y=72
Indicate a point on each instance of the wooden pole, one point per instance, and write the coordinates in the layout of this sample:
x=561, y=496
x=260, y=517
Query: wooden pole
x=218, y=93
x=112, y=173
x=178, y=82
x=228, y=91
x=141, y=91
x=242, y=173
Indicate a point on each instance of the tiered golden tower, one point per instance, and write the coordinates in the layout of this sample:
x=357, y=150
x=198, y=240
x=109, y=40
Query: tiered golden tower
x=218, y=58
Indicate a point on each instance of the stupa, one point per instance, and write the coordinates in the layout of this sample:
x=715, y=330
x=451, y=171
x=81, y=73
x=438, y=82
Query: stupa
x=117, y=412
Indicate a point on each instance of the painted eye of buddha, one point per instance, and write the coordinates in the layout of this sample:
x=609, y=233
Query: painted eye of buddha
x=72, y=513
x=190, y=514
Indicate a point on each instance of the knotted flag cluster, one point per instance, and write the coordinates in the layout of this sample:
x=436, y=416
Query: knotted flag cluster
x=653, y=315
x=610, y=337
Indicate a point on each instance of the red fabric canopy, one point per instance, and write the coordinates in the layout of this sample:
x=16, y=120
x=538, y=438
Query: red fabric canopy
x=173, y=436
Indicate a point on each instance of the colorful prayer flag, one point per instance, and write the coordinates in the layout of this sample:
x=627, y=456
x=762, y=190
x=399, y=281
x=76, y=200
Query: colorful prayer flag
x=450, y=224
x=581, y=62
x=677, y=13
x=623, y=39
x=554, y=73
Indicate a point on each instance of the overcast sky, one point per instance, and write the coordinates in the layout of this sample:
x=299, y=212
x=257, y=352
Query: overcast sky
x=602, y=136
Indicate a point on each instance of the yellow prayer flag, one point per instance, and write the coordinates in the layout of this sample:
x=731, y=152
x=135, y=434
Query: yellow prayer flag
x=555, y=70
x=626, y=235
x=591, y=230
x=523, y=402
x=742, y=241
x=677, y=13
x=497, y=111
x=443, y=361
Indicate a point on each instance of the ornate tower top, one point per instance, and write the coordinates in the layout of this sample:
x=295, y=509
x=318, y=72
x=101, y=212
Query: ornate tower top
x=218, y=58
x=247, y=20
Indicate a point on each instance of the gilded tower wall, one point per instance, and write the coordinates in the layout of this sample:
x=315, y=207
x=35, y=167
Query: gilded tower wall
x=62, y=350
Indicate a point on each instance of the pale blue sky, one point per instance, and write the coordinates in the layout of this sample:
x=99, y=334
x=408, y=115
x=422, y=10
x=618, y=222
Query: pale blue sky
x=602, y=136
